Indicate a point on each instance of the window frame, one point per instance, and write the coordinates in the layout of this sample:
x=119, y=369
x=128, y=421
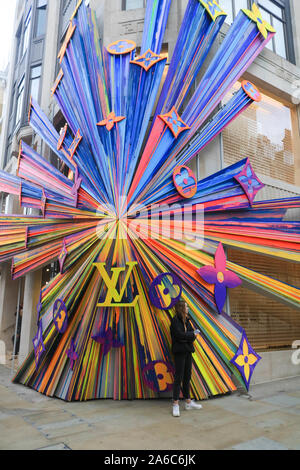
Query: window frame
x=31, y=79
x=124, y=2
x=40, y=5
x=287, y=25
x=20, y=107
x=26, y=32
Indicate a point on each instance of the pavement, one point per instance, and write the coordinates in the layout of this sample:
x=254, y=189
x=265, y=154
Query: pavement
x=268, y=418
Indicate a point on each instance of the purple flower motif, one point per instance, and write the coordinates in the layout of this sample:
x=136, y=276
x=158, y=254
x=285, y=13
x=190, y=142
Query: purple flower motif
x=220, y=276
x=249, y=182
x=165, y=291
x=107, y=340
x=245, y=359
x=158, y=375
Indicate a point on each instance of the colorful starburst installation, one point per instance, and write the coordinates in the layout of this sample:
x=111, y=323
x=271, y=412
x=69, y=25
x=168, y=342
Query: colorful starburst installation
x=115, y=225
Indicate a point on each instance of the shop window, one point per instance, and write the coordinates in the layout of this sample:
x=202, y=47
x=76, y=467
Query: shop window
x=266, y=133
x=270, y=325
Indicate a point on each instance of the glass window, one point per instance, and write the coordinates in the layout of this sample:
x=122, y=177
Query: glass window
x=41, y=18
x=274, y=14
x=35, y=76
x=26, y=35
x=271, y=7
x=232, y=8
x=265, y=133
x=239, y=5
x=20, y=99
x=133, y=4
x=269, y=323
x=279, y=38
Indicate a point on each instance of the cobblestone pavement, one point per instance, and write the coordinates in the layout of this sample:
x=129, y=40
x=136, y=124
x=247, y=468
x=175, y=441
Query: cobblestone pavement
x=267, y=419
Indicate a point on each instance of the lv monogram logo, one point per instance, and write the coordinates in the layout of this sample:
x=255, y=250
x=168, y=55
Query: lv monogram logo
x=113, y=297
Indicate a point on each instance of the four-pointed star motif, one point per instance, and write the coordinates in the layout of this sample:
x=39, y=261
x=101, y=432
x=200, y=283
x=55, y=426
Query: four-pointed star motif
x=147, y=60
x=249, y=182
x=245, y=359
x=174, y=122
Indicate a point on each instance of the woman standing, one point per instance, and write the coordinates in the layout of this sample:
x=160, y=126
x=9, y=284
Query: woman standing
x=183, y=335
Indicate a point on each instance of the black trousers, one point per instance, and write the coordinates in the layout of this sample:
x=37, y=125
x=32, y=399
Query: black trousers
x=183, y=371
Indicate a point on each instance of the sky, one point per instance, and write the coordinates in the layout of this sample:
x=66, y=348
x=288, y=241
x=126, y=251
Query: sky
x=7, y=13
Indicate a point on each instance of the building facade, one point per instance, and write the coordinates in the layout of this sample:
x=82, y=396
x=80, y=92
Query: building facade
x=268, y=133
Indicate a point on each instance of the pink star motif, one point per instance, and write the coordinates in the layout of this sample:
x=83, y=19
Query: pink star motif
x=110, y=121
x=249, y=182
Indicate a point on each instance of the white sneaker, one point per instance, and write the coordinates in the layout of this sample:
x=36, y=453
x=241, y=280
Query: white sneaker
x=176, y=411
x=192, y=406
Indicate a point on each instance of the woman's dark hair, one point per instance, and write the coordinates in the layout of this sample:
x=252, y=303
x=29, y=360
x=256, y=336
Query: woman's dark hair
x=179, y=307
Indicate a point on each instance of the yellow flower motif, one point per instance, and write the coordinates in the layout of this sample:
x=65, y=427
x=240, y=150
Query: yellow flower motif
x=246, y=360
x=213, y=9
x=255, y=15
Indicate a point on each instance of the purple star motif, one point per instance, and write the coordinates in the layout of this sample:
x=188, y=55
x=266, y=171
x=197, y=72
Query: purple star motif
x=62, y=257
x=107, y=340
x=220, y=277
x=249, y=182
x=38, y=345
x=72, y=354
x=245, y=359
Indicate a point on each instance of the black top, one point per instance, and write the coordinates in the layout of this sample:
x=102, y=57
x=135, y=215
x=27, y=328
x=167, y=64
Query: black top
x=182, y=340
